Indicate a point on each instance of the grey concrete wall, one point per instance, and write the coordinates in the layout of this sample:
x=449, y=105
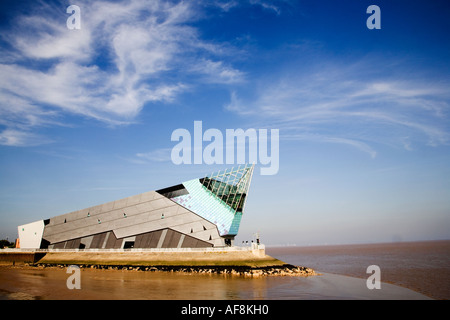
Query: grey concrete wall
x=127, y=217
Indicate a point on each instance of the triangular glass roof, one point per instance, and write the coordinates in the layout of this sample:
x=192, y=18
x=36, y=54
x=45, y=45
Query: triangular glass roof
x=230, y=185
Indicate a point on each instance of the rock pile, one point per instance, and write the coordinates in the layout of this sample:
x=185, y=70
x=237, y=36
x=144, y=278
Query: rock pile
x=283, y=270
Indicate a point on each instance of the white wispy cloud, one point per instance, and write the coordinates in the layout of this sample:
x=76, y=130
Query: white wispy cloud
x=108, y=70
x=218, y=72
x=338, y=106
x=158, y=155
x=12, y=137
x=362, y=146
x=227, y=5
x=268, y=5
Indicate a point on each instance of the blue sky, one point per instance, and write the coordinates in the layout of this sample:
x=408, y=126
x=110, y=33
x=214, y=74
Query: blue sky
x=86, y=116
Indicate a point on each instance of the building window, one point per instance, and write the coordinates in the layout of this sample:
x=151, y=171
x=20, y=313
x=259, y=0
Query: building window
x=128, y=245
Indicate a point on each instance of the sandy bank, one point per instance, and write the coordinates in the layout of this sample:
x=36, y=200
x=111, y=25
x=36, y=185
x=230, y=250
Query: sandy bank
x=49, y=283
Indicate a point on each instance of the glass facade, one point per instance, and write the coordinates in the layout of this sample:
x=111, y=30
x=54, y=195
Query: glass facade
x=219, y=197
x=230, y=186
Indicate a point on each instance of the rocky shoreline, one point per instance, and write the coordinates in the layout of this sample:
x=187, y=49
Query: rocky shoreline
x=282, y=270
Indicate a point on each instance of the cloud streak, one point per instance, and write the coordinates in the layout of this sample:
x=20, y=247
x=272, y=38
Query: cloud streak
x=341, y=107
x=109, y=70
x=364, y=147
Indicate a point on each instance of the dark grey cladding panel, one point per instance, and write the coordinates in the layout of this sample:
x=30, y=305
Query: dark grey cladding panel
x=73, y=244
x=141, y=240
x=59, y=245
x=153, y=239
x=171, y=240
x=148, y=239
x=191, y=242
x=145, y=240
x=98, y=240
x=137, y=242
x=69, y=244
x=96, y=243
x=113, y=242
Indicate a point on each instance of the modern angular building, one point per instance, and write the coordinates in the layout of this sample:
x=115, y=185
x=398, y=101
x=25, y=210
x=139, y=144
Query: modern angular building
x=202, y=212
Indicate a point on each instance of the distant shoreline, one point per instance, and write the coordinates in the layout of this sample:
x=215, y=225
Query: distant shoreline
x=294, y=245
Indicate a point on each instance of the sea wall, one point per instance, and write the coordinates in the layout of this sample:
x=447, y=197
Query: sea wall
x=182, y=258
x=227, y=256
x=13, y=257
x=250, y=261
